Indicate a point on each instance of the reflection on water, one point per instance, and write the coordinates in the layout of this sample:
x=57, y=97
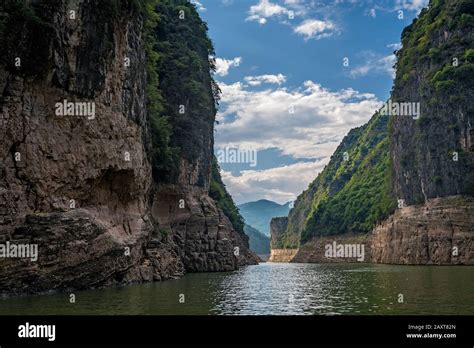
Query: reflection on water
x=276, y=289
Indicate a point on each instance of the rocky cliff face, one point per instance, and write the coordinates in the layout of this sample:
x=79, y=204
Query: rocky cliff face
x=78, y=182
x=282, y=255
x=416, y=159
x=432, y=154
x=278, y=252
x=325, y=249
x=351, y=194
x=437, y=232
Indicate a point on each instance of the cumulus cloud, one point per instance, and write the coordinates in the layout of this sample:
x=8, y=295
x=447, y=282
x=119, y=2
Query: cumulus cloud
x=308, y=122
x=265, y=9
x=280, y=184
x=375, y=64
x=305, y=122
x=223, y=65
x=315, y=29
x=286, y=13
x=272, y=79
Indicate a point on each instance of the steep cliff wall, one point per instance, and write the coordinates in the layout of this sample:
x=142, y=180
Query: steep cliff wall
x=404, y=159
x=79, y=185
x=433, y=156
x=351, y=194
x=279, y=252
x=325, y=249
x=437, y=232
x=75, y=185
x=278, y=226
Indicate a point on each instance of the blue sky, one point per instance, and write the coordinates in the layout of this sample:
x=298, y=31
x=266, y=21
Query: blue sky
x=296, y=76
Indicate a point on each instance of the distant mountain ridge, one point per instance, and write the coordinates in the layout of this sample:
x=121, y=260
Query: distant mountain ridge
x=258, y=214
x=259, y=243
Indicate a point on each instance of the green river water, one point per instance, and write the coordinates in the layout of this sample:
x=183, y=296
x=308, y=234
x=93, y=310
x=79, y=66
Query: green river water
x=276, y=289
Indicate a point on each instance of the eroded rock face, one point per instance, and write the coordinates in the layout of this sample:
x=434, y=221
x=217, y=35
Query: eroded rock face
x=203, y=235
x=282, y=255
x=76, y=250
x=278, y=252
x=431, y=164
x=81, y=187
x=352, y=248
x=433, y=156
x=76, y=185
x=439, y=232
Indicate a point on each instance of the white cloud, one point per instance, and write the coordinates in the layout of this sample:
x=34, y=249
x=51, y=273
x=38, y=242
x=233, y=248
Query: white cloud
x=375, y=64
x=372, y=13
x=287, y=12
x=411, y=5
x=199, y=6
x=395, y=46
x=265, y=9
x=263, y=119
x=280, y=184
x=223, y=65
x=258, y=80
x=315, y=29
x=260, y=20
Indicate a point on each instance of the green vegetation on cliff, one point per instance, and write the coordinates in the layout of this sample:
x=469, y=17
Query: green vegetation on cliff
x=364, y=196
x=434, y=39
x=181, y=92
x=436, y=68
x=163, y=156
x=350, y=195
x=182, y=96
x=258, y=242
x=218, y=192
x=402, y=158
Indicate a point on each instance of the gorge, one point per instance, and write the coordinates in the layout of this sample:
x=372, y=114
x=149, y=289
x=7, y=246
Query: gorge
x=402, y=185
x=121, y=186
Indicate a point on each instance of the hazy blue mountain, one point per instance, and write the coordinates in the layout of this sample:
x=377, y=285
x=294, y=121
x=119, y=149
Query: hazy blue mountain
x=258, y=214
x=259, y=243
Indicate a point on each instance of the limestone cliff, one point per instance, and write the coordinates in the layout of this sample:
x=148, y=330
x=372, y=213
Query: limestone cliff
x=282, y=255
x=433, y=156
x=422, y=162
x=79, y=184
x=437, y=232
x=278, y=227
